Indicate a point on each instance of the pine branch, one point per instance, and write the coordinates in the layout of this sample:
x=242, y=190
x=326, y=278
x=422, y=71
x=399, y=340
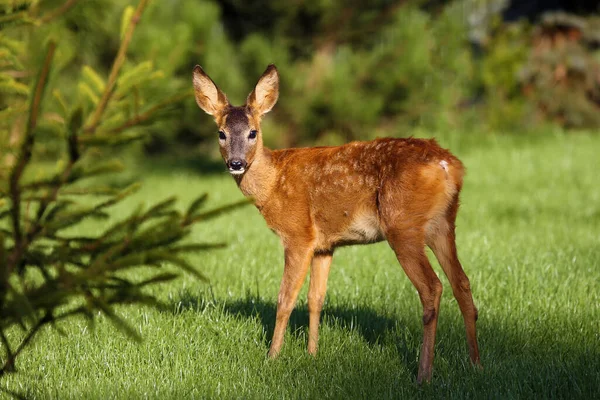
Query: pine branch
x=25, y=155
x=58, y=12
x=191, y=219
x=36, y=226
x=145, y=116
x=6, y=345
x=114, y=73
x=9, y=364
x=21, y=16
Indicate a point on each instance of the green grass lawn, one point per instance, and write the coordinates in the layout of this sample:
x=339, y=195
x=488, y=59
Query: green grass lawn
x=529, y=240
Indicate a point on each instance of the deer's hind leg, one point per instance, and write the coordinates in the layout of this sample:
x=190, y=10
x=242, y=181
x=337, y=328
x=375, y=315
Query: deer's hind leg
x=440, y=237
x=409, y=247
x=405, y=207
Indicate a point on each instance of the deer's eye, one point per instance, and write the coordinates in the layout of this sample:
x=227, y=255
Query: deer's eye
x=252, y=134
x=222, y=135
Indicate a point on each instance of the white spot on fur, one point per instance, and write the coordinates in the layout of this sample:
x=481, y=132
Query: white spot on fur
x=444, y=165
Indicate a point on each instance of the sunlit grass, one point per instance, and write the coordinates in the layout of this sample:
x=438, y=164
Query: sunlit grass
x=528, y=237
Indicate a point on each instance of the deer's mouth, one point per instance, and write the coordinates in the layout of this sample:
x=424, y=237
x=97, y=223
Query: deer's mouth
x=236, y=171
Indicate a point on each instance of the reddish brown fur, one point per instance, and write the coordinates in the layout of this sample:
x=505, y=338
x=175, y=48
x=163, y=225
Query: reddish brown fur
x=404, y=191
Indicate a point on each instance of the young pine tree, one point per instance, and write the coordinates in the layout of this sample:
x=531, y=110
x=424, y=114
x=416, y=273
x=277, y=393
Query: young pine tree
x=49, y=270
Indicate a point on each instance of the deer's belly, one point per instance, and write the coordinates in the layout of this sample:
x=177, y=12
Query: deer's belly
x=364, y=228
x=360, y=228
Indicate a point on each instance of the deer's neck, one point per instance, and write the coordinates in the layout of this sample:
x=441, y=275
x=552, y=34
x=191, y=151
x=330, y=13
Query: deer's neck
x=259, y=179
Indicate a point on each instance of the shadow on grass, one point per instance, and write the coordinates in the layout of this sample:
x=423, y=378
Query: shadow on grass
x=368, y=323
x=519, y=361
x=373, y=327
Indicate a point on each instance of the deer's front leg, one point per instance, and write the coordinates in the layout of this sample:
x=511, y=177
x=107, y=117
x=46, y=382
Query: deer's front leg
x=319, y=272
x=297, y=260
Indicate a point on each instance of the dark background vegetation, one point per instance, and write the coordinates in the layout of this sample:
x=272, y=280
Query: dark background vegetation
x=350, y=69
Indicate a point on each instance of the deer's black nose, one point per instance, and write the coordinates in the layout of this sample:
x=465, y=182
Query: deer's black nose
x=237, y=164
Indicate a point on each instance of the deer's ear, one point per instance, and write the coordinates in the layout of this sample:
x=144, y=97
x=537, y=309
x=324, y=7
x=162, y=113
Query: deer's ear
x=265, y=94
x=208, y=96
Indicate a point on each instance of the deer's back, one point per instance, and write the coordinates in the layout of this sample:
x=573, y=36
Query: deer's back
x=353, y=193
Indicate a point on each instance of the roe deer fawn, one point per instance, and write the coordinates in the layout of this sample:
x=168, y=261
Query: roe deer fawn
x=316, y=199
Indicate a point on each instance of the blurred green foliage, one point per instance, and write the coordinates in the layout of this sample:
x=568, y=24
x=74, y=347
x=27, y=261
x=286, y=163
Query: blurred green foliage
x=546, y=72
x=350, y=70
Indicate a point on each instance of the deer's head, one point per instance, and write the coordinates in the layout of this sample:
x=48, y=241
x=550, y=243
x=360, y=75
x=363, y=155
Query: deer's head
x=240, y=136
